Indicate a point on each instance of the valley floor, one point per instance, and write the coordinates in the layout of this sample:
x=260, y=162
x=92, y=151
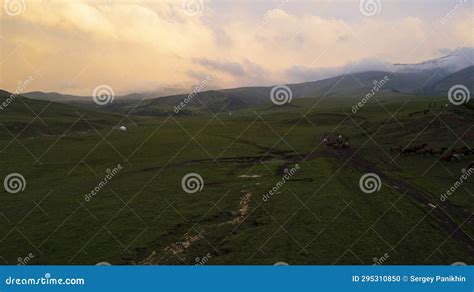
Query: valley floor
x=266, y=188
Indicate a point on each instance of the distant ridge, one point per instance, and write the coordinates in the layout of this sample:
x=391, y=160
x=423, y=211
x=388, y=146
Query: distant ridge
x=462, y=77
x=432, y=77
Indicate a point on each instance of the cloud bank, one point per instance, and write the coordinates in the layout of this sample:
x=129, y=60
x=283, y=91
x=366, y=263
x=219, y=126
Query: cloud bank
x=73, y=46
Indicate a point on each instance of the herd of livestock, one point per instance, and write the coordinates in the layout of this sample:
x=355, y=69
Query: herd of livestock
x=444, y=153
x=339, y=141
x=336, y=141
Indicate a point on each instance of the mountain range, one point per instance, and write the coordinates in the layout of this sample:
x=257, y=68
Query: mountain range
x=433, y=77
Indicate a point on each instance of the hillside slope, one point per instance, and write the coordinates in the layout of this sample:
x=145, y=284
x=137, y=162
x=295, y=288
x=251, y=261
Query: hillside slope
x=29, y=117
x=463, y=77
x=345, y=86
x=355, y=85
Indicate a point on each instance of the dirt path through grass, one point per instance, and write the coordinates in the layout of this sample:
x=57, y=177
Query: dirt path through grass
x=443, y=212
x=180, y=247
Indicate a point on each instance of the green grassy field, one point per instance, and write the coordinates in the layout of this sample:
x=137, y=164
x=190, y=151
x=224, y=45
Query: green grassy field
x=319, y=216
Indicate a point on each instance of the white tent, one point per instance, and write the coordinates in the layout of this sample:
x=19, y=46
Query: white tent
x=123, y=128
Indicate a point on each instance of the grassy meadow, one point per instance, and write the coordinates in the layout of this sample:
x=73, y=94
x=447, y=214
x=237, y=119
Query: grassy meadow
x=318, y=216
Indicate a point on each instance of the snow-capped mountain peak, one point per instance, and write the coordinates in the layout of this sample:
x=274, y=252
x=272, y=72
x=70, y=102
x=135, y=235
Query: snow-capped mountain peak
x=447, y=64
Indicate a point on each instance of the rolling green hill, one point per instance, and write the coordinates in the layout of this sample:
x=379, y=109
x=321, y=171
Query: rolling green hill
x=28, y=117
x=463, y=77
x=355, y=85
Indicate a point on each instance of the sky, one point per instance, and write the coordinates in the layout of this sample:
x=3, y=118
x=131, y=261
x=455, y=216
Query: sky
x=164, y=46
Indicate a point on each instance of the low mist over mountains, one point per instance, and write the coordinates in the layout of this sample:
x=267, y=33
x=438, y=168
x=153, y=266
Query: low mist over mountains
x=464, y=77
x=433, y=77
x=448, y=64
